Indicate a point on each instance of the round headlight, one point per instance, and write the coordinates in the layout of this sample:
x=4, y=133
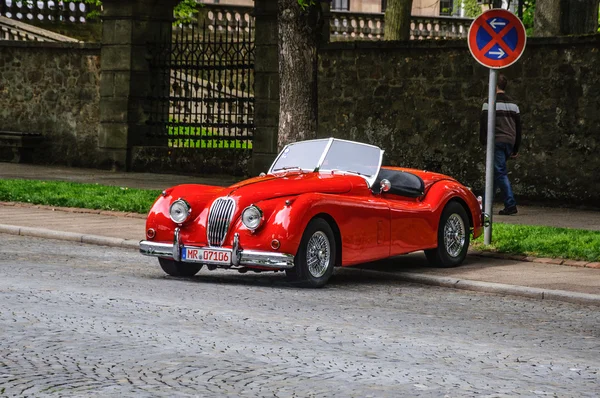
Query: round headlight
x=252, y=217
x=180, y=210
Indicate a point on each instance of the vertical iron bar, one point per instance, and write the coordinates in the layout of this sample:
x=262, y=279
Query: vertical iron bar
x=202, y=74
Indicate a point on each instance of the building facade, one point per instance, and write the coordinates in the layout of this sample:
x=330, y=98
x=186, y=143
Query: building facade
x=420, y=7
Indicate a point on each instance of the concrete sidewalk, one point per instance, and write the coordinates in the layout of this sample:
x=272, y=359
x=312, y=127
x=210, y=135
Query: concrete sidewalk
x=536, y=278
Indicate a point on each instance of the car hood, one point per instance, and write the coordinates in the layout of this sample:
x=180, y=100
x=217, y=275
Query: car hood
x=289, y=184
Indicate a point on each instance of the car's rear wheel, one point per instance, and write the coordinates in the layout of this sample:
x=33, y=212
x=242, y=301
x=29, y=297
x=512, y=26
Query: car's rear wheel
x=177, y=268
x=314, y=262
x=453, y=237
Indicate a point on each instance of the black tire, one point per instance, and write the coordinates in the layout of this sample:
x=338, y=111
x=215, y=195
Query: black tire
x=177, y=268
x=317, y=276
x=454, y=217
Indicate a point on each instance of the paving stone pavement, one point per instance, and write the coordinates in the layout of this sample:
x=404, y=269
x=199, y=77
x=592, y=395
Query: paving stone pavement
x=82, y=320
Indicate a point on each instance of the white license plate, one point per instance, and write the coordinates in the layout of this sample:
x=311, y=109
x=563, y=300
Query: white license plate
x=207, y=256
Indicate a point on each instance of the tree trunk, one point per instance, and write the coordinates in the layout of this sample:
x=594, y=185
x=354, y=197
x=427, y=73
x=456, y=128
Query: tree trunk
x=298, y=40
x=547, y=18
x=397, y=20
x=582, y=17
x=565, y=17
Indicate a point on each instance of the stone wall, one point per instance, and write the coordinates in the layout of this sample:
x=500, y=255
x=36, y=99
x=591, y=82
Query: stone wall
x=421, y=102
x=53, y=89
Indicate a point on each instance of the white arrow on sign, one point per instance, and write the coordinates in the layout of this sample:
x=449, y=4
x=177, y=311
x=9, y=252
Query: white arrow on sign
x=500, y=53
x=496, y=23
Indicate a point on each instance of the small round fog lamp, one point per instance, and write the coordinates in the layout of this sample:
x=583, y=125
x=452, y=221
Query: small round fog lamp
x=252, y=217
x=180, y=211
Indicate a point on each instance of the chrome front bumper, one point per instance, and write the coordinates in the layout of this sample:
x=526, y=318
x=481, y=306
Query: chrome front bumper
x=239, y=257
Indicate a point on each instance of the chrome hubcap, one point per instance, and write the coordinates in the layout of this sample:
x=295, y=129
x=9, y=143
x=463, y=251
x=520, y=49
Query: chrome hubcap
x=318, y=253
x=454, y=235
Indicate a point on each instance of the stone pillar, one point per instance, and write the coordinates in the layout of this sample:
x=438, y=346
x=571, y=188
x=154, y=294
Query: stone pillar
x=128, y=28
x=325, y=21
x=266, y=89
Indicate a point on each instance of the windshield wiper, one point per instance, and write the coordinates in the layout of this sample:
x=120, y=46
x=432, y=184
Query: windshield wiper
x=359, y=173
x=350, y=171
x=288, y=168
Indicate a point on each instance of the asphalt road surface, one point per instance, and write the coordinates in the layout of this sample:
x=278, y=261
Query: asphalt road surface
x=83, y=320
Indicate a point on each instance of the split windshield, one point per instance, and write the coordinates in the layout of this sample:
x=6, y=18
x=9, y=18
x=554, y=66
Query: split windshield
x=346, y=156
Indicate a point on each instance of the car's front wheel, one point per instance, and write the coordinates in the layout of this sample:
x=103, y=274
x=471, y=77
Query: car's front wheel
x=314, y=262
x=453, y=237
x=177, y=268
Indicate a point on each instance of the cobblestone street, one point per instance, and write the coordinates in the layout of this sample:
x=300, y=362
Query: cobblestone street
x=83, y=320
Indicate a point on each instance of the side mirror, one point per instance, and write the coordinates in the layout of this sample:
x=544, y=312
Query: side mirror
x=386, y=185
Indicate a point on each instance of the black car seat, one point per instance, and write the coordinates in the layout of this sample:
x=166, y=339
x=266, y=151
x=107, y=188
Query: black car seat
x=403, y=183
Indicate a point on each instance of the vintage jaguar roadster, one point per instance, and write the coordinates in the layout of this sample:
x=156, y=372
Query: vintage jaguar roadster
x=324, y=203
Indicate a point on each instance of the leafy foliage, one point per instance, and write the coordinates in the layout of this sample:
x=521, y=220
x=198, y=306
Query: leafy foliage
x=185, y=10
x=471, y=7
x=528, y=14
x=306, y=3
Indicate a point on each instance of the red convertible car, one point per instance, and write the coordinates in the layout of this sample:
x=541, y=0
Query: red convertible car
x=324, y=203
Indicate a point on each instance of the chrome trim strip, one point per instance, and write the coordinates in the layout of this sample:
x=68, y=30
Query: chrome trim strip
x=322, y=159
x=252, y=258
x=235, y=250
x=486, y=219
x=267, y=259
x=156, y=249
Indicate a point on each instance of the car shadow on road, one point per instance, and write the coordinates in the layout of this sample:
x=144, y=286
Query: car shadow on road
x=377, y=272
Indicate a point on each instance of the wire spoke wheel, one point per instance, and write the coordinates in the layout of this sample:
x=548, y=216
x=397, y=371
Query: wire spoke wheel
x=318, y=254
x=315, y=259
x=454, y=235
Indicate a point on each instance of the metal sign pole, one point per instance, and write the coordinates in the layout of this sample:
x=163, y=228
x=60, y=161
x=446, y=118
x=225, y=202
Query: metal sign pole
x=489, y=159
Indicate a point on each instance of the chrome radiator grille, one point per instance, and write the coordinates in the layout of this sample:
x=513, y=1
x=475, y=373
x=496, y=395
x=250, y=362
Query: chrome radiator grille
x=219, y=218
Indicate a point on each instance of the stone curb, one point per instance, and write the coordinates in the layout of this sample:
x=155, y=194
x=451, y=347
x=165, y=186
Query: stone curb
x=75, y=210
x=494, y=288
x=541, y=260
x=69, y=236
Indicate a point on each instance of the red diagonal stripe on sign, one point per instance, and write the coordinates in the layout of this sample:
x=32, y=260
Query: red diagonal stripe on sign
x=496, y=37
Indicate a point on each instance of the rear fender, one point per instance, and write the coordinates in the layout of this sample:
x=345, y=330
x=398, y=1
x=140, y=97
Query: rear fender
x=443, y=191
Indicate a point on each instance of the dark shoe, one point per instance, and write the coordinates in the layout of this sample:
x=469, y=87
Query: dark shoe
x=508, y=211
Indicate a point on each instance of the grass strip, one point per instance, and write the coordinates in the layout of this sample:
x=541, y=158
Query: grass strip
x=185, y=137
x=541, y=241
x=537, y=241
x=70, y=194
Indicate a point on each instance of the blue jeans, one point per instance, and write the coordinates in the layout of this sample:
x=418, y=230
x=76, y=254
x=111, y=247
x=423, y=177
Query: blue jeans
x=501, y=154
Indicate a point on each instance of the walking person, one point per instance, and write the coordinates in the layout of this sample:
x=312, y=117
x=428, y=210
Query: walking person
x=507, y=141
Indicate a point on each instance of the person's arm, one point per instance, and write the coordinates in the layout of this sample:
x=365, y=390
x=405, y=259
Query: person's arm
x=518, y=134
x=483, y=124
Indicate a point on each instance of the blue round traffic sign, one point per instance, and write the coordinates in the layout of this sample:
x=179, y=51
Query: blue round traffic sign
x=497, y=38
